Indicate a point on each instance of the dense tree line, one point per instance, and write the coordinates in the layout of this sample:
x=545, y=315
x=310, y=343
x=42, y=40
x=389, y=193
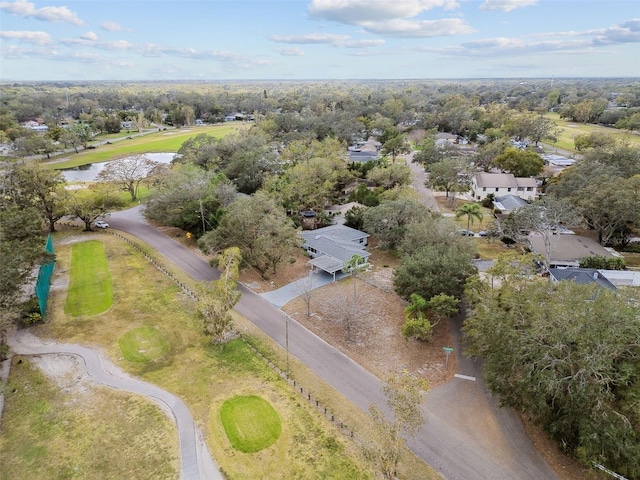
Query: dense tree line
x=339, y=109
x=566, y=355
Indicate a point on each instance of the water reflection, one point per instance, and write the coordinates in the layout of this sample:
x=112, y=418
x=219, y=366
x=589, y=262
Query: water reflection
x=88, y=173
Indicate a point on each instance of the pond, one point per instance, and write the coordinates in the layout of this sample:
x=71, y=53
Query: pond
x=88, y=173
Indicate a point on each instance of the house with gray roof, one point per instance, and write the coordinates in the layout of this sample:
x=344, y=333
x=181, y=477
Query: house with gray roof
x=330, y=248
x=568, y=250
x=484, y=183
x=507, y=203
x=582, y=276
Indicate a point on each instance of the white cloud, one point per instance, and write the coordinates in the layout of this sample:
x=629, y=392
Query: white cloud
x=506, y=5
x=111, y=26
x=90, y=39
x=340, y=41
x=420, y=29
x=626, y=32
x=394, y=18
x=290, y=52
x=355, y=12
x=36, y=38
x=89, y=36
x=311, y=38
x=23, y=8
x=362, y=43
x=241, y=61
x=503, y=46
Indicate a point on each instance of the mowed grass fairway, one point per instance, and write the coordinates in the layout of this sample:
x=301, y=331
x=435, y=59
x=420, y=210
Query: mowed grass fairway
x=568, y=131
x=203, y=375
x=91, y=433
x=90, y=290
x=158, y=142
x=251, y=423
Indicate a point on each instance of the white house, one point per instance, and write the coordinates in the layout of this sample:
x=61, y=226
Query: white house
x=332, y=247
x=483, y=183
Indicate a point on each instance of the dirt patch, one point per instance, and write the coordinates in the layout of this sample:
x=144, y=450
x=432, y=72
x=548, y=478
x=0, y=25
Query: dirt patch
x=372, y=337
x=67, y=373
x=294, y=268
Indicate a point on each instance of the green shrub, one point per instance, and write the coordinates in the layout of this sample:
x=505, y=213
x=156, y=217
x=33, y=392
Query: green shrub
x=419, y=328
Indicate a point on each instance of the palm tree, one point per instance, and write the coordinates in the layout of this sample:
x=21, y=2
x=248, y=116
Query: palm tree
x=471, y=210
x=416, y=309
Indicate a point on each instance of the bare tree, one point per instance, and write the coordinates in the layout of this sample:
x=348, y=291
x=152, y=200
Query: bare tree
x=404, y=398
x=304, y=290
x=127, y=173
x=546, y=217
x=140, y=121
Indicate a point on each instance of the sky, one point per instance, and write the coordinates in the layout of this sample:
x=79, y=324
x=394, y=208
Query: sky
x=160, y=40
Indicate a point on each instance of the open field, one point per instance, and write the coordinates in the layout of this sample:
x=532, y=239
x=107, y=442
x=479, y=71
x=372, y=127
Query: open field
x=570, y=130
x=62, y=425
x=203, y=375
x=157, y=142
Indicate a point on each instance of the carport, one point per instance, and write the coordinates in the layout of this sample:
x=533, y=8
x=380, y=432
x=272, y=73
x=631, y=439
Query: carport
x=328, y=264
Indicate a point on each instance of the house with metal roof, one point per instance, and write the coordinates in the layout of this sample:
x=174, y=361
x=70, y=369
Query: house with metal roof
x=330, y=248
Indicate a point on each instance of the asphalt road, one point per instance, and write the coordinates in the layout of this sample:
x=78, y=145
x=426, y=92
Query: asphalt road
x=465, y=437
x=196, y=462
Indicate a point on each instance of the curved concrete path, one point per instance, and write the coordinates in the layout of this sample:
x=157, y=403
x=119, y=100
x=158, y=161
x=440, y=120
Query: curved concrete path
x=196, y=462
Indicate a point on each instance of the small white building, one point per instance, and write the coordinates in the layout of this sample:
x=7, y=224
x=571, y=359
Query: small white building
x=499, y=184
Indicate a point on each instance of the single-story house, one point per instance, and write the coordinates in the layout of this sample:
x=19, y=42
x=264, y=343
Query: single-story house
x=35, y=126
x=444, y=137
x=557, y=160
x=583, y=276
x=364, y=151
x=332, y=247
x=568, y=250
x=507, y=203
x=484, y=183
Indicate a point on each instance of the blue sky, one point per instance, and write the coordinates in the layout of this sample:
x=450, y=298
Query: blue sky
x=317, y=39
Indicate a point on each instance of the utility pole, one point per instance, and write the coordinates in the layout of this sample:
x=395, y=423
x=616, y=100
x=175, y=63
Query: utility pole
x=286, y=339
x=202, y=216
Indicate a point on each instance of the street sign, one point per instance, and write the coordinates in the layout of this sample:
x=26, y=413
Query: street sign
x=447, y=352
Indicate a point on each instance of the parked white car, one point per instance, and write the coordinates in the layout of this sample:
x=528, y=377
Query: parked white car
x=101, y=224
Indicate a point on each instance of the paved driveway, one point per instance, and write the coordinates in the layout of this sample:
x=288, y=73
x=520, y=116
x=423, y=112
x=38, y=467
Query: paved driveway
x=285, y=294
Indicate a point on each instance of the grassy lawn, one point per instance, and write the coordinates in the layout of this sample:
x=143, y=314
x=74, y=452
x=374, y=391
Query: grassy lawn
x=205, y=376
x=570, y=130
x=90, y=291
x=632, y=260
x=251, y=423
x=157, y=142
x=143, y=344
x=49, y=432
